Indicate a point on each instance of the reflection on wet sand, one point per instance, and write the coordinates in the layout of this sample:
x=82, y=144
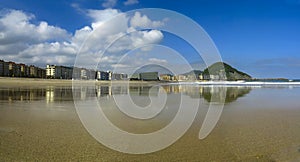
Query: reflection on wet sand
x=41, y=124
x=206, y=92
x=232, y=93
x=52, y=94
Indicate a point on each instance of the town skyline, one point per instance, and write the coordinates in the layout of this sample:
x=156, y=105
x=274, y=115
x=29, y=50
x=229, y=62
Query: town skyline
x=21, y=70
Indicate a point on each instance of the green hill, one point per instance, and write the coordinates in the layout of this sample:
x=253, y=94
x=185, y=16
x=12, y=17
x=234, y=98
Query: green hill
x=193, y=72
x=231, y=73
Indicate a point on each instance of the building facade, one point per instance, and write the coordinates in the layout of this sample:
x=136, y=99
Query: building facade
x=50, y=71
x=149, y=76
x=166, y=77
x=116, y=76
x=58, y=72
x=1, y=67
x=101, y=75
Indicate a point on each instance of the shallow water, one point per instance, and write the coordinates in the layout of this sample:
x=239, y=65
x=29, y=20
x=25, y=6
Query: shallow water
x=256, y=124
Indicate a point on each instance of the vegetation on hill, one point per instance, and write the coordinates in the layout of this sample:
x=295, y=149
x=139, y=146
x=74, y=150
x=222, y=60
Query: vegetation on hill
x=193, y=72
x=231, y=73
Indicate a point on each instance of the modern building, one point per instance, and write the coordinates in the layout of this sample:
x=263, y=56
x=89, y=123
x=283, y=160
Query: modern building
x=58, y=72
x=91, y=74
x=63, y=72
x=149, y=76
x=76, y=73
x=1, y=67
x=50, y=71
x=12, y=69
x=115, y=76
x=135, y=76
x=102, y=75
x=41, y=73
x=83, y=74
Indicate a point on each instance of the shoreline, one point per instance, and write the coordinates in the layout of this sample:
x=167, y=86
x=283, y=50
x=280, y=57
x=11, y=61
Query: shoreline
x=10, y=81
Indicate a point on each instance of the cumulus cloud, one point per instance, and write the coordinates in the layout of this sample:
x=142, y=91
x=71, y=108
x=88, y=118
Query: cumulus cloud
x=16, y=27
x=115, y=37
x=24, y=40
x=55, y=52
x=131, y=2
x=140, y=20
x=20, y=37
x=136, y=39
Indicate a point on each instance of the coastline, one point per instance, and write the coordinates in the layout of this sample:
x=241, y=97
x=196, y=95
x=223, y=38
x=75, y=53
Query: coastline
x=10, y=81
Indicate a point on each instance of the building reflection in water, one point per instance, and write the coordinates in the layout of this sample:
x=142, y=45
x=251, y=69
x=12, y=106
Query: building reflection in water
x=21, y=94
x=57, y=93
x=232, y=93
x=206, y=92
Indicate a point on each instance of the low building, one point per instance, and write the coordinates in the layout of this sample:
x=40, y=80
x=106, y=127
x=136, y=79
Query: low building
x=135, y=76
x=115, y=76
x=192, y=77
x=181, y=77
x=166, y=77
x=214, y=77
x=204, y=77
x=149, y=76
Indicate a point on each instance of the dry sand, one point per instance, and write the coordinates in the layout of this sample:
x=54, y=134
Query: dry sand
x=11, y=82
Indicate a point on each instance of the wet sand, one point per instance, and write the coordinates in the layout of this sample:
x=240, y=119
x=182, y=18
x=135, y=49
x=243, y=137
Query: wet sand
x=39, y=130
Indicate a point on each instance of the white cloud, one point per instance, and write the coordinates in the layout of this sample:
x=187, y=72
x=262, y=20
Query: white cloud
x=131, y=2
x=17, y=33
x=16, y=27
x=140, y=20
x=102, y=15
x=39, y=43
x=136, y=39
x=158, y=61
x=56, y=52
x=109, y=3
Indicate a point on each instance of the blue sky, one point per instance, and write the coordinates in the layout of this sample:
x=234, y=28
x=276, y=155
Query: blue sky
x=261, y=38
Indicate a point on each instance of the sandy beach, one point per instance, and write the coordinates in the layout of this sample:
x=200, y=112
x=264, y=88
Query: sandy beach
x=7, y=81
x=40, y=123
